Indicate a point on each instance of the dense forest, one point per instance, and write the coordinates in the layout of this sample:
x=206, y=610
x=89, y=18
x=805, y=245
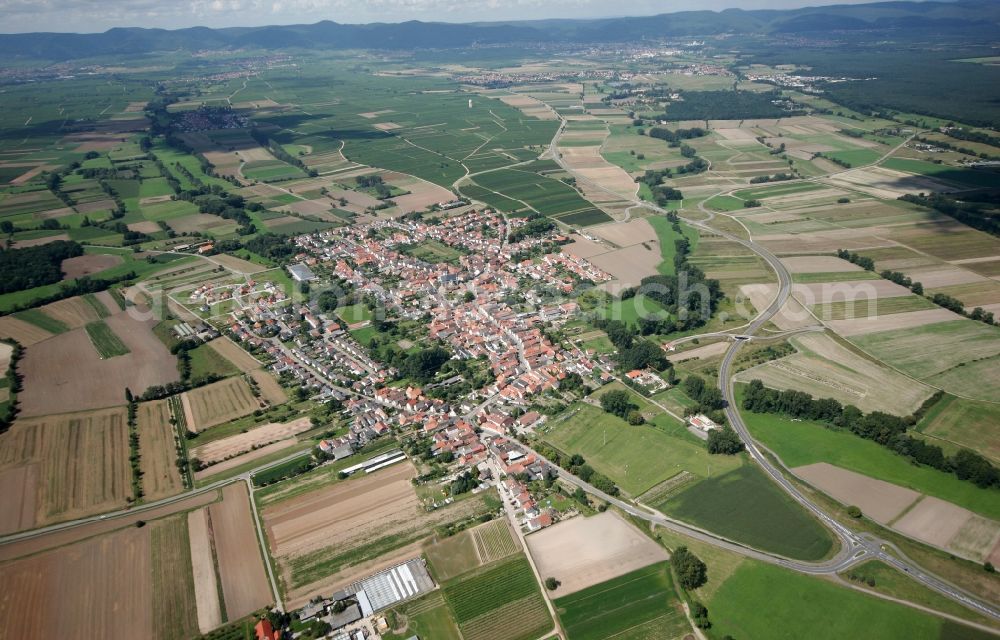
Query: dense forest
x=32, y=267
x=729, y=105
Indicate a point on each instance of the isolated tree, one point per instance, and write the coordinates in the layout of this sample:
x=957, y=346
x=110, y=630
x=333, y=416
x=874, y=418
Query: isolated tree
x=551, y=583
x=617, y=402
x=691, y=571
x=724, y=441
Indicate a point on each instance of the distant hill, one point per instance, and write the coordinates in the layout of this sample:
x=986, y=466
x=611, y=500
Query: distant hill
x=982, y=16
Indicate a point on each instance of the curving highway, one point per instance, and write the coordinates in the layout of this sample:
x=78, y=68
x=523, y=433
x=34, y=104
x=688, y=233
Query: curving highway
x=855, y=547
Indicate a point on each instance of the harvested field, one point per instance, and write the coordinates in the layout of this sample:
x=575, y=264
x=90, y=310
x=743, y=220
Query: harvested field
x=825, y=368
x=34, y=242
x=103, y=588
x=237, y=264
x=72, y=312
x=933, y=520
x=206, y=587
x=269, y=388
x=234, y=354
x=887, y=183
x=891, y=322
x=157, y=452
x=65, y=374
x=818, y=264
x=253, y=439
x=147, y=226
x=846, y=290
x=791, y=316
x=242, y=459
x=707, y=351
x=627, y=234
x=581, y=552
x=219, y=402
x=631, y=264
x=878, y=500
x=174, y=603
x=25, y=333
x=88, y=264
x=5, y=352
x=241, y=566
x=934, y=278
x=17, y=500
x=81, y=462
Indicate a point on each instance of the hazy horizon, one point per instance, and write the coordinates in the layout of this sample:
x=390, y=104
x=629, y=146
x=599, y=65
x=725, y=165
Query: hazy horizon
x=91, y=16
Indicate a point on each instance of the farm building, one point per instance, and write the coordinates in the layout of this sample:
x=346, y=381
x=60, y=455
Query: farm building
x=390, y=587
x=702, y=423
x=301, y=273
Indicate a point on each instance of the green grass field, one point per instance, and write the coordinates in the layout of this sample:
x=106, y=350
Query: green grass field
x=354, y=314
x=746, y=506
x=640, y=605
x=635, y=457
x=667, y=237
x=205, y=361
x=854, y=157
x=426, y=617
x=108, y=345
x=631, y=310
x=725, y=203
x=767, y=602
x=452, y=556
x=967, y=423
x=42, y=320
x=801, y=443
x=775, y=189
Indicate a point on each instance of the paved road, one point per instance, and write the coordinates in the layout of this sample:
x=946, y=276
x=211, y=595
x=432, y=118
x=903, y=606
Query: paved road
x=855, y=547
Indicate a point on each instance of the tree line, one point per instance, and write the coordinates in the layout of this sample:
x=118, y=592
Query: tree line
x=78, y=287
x=577, y=465
x=885, y=429
x=13, y=378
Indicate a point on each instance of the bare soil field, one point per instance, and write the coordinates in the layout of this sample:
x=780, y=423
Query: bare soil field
x=977, y=538
x=581, y=552
x=234, y=354
x=880, y=501
x=66, y=374
x=25, y=333
x=822, y=241
x=631, y=264
x=157, y=453
x=220, y=402
x=35, y=242
x=933, y=520
x=5, y=352
x=826, y=369
x=908, y=320
x=199, y=222
x=146, y=226
x=422, y=195
x=241, y=566
x=254, y=438
x=88, y=264
x=309, y=207
x=102, y=588
x=206, y=586
x=818, y=264
x=81, y=462
x=580, y=247
x=849, y=290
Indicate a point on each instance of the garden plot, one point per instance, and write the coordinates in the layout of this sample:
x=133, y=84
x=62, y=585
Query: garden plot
x=581, y=552
x=826, y=369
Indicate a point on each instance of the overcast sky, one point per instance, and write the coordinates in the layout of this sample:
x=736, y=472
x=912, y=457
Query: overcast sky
x=98, y=15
